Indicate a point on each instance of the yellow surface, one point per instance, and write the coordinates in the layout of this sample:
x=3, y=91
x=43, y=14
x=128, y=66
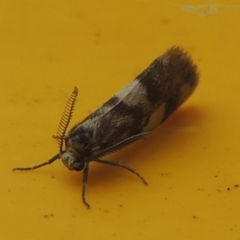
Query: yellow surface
x=191, y=162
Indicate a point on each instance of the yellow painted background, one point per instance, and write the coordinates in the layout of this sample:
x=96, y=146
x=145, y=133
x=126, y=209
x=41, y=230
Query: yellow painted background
x=191, y=162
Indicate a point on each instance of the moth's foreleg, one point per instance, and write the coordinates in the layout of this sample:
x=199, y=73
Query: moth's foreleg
x=38, y=166
x=85, y=179
x=119, y=164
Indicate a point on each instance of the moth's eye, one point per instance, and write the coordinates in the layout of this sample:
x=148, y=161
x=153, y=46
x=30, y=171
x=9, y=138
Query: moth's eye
x=71, y=161
x=78, y=166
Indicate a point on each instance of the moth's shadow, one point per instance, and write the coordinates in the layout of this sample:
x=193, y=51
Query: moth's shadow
x=161, y=139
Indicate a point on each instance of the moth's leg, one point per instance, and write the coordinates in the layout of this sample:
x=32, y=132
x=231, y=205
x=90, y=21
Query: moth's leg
x=119, y=164
x=85, y=179
x=40, y=165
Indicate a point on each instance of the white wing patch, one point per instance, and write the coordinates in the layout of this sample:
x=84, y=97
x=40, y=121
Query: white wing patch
x=155, y=118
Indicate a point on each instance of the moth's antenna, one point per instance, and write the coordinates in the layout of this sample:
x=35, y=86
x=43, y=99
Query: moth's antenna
x=66, y=118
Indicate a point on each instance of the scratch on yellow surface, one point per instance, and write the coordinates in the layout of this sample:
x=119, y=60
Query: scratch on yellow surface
x=191, y=162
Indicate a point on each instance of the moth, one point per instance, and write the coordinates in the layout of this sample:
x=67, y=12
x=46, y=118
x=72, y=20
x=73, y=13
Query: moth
x=130, y=115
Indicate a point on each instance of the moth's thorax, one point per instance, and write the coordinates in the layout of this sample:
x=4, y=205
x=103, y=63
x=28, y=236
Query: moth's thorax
x=77, y=148
x=80, y=135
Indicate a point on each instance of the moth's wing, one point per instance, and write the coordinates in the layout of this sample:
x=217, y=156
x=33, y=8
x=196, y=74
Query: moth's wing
x=138, y=108
x=115, y=125
x=121, y=145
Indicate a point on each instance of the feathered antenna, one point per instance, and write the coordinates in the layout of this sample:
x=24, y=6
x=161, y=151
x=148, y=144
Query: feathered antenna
x=66, y=118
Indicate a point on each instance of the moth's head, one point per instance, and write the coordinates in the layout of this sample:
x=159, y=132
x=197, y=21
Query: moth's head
x=72, y=160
